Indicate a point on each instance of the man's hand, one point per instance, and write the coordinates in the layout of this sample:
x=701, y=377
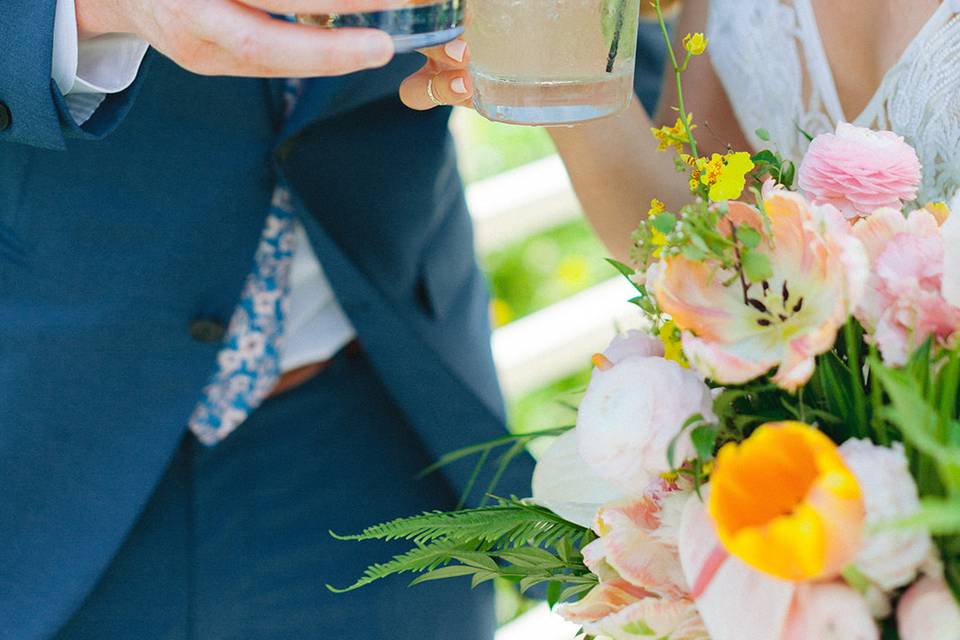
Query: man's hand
x=240, y=38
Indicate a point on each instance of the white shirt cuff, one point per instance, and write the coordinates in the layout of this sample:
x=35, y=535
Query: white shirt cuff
x=87, y=71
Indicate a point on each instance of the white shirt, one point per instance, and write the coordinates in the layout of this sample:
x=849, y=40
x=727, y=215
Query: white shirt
x=85, y=72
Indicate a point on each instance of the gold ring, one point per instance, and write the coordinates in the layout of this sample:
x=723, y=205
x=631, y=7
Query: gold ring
x=431, y=94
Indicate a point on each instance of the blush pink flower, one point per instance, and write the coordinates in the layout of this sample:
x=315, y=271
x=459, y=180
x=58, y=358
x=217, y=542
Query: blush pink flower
x=858, y=170
x=904, y=303
x=830, y=611
x=928, y=611
x=642, y=591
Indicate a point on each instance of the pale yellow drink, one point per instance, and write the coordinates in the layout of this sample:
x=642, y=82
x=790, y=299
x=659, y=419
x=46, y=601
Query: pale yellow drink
x=548, y=62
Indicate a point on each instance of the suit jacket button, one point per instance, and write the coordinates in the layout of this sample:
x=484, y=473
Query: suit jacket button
x=207, y=330
x=5, y=118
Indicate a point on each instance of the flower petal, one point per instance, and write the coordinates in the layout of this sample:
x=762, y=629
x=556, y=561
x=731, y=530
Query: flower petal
x=565, y=484
x=738, y=603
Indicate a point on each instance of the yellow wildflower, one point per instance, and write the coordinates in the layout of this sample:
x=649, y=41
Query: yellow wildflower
x=656, y=206
x=675, y=136
x=657, y=239
x=725, y=175
x=670, y=336
x=695, y=43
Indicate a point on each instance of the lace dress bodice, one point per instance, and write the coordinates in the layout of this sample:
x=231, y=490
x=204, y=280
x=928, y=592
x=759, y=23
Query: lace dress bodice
x=770, y=59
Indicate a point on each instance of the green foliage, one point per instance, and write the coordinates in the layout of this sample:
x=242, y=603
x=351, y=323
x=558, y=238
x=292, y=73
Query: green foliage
x=543, y=269
x=489, y=148
x=512, y=540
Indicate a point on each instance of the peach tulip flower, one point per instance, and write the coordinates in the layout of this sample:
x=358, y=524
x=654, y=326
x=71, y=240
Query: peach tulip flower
x=735, y=331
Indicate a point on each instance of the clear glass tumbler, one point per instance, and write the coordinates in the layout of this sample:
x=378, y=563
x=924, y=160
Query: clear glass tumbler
x=552, y=62
x=422, y=23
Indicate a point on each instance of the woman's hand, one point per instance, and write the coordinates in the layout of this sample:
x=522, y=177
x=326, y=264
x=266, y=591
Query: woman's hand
x=443, y=80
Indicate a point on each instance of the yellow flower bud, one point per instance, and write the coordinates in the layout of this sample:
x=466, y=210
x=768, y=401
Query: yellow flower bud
x=695, y=43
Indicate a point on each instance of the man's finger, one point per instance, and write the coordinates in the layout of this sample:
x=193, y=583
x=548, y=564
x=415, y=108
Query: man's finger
x=428, y=89
x=290, y=7
x=254, y=44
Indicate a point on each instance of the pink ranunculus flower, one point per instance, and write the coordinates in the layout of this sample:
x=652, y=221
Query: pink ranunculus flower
x=928, y=611
x=858, y=170
x=904, y=304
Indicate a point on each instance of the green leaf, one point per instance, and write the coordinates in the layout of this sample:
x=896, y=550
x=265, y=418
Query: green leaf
x=573, y=591
x=672, y=447
x=763, y=134
x=940, y=516
x=480, y=577
x=749, y=236
x=443, y=573
x=787, y=174
x=531, y=581
x=693, y=253
x=704, y=440
x=766, y=157
x=531, y=557
x=909, y=411
x=665, y=222
x=627, y=272
x=756, y=266
x=554, y=590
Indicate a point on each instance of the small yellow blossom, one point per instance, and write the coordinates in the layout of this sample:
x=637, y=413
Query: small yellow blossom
x=670, y=336
x=656, y=207
x=695, y=43
x=725, y=175
x=659, y=240
x=939, y=210
x=675, y=136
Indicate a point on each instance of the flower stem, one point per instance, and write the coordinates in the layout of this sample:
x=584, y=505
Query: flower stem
x=852, y=340
x=677, y=73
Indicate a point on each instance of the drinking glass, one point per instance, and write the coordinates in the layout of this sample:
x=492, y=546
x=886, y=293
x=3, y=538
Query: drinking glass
x=552, y=62
x=419, y=24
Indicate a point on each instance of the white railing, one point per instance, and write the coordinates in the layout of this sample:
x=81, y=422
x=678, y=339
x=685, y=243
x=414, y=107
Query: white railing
x=559, y=340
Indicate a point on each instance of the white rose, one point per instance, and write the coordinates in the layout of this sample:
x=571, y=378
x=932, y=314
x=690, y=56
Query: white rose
x=889, y=558
x=631, y=412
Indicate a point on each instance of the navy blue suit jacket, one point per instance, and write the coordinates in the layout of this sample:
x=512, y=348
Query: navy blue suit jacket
x=116, y=236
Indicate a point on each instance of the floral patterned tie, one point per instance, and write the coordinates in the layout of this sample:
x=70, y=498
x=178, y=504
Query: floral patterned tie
x=248, y=365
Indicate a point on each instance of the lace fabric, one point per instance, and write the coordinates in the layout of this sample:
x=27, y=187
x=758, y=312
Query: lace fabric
x=771, y=62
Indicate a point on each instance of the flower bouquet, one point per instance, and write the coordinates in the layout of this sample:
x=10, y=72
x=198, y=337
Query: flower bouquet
x=778, y=456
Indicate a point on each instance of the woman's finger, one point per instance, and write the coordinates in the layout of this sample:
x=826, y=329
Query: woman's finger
x=428, y=89
x=453, y=55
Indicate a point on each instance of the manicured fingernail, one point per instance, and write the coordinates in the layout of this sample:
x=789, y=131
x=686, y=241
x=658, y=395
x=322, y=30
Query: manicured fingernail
x=456, y=49
x=458, y=86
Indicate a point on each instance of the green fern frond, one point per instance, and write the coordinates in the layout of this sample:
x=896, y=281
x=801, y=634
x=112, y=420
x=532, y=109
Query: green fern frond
x=417, y=560
x=507, y=523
